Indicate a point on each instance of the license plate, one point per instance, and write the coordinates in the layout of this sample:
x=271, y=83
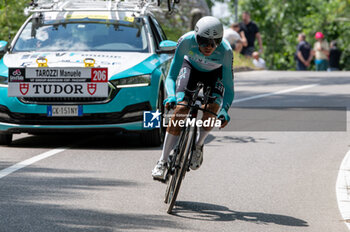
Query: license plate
x=65, y=111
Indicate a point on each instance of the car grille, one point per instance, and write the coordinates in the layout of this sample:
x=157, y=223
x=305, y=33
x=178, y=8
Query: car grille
x=60, y=100
x=86, y=119
x=112, y=92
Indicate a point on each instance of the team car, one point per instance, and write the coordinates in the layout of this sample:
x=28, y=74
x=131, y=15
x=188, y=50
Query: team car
x=84, y=66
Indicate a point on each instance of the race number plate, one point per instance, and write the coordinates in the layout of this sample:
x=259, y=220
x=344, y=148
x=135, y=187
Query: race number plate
x=65, y=111
x=58, y=82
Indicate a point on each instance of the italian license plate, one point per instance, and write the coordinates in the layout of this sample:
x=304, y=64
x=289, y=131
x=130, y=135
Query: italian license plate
x=65, y=111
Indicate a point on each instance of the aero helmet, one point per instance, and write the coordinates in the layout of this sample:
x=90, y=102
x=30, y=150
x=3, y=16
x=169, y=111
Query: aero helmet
x=208, y=31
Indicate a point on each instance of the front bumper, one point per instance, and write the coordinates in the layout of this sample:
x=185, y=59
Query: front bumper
x=123, y=113
x=20, y=128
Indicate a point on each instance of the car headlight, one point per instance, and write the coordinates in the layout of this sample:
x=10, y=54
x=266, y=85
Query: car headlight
x=135, y=81
x=3, y=80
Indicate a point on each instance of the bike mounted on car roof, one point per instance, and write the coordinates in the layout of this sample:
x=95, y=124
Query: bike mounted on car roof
x=140, y=6
x=59, y=5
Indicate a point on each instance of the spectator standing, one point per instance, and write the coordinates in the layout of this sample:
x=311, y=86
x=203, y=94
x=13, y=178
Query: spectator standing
x=251, y=32
x=236, y=38
x=334, y=57
x=257, y=61
x=303, y=54
x=321, y=50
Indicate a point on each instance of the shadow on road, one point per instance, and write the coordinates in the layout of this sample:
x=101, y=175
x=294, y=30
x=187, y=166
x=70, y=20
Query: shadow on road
x=53, y=218
x=211, y=212
x=110, y=141
x=82, y=141
x=55, y=202
x=234, y=139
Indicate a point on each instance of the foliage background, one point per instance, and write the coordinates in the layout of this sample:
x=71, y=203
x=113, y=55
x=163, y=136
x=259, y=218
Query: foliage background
x=11, y=17
x=280, y=22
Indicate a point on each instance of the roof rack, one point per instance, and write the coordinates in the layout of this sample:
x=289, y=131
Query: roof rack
x=140, y=6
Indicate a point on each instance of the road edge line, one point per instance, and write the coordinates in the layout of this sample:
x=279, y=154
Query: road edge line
x=7, y=171
x=274, y=93
x=343, y=189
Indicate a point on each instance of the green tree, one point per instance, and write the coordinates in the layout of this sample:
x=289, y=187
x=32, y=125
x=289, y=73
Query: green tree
x=280, y=22
x=212, y=2
x=11, y=17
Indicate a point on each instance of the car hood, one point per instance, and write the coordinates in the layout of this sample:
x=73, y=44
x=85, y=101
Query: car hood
x=116, y=63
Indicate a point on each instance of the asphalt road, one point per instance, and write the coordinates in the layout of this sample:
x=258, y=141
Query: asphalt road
x=273, y=169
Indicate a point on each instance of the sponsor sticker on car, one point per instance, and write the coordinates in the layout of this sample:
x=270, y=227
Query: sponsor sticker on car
x=58, y=82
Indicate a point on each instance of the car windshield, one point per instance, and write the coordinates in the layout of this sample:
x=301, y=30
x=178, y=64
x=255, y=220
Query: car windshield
x=83, y=35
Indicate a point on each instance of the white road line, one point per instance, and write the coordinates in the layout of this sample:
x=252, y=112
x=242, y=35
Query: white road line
x=25, y=163
x=275, y=93
x=343, y=189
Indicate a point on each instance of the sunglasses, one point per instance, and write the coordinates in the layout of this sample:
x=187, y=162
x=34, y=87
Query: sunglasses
x=205, y=42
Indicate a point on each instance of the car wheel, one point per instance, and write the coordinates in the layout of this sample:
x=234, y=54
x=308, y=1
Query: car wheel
x=151, y=138
x=5, y=139
x=155, y=138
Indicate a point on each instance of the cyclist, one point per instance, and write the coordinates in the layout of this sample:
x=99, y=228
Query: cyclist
x=201, y=55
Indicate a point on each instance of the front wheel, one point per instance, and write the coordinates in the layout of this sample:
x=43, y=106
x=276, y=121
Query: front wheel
x=175, y=166
x=181, y=167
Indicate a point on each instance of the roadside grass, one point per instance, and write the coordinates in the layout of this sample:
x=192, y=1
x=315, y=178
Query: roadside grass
x=242, y=63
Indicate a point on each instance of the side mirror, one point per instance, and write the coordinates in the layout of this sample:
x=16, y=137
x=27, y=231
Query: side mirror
x=167, y=46
x=3, y=47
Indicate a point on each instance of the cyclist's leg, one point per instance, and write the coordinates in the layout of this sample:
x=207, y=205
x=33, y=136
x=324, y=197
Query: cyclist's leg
x=217, y=90
x=173, y=130
x=197, y=157
x=207, y=127
x=209, y=79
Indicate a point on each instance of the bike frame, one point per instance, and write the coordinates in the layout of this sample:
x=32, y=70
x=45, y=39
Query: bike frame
x=180, y=161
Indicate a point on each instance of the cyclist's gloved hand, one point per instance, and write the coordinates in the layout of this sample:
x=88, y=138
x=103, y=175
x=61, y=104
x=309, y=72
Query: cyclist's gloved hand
x=224, y=117
x=170, y=102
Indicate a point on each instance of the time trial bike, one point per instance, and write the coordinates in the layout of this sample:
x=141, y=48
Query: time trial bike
x=180, y=159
